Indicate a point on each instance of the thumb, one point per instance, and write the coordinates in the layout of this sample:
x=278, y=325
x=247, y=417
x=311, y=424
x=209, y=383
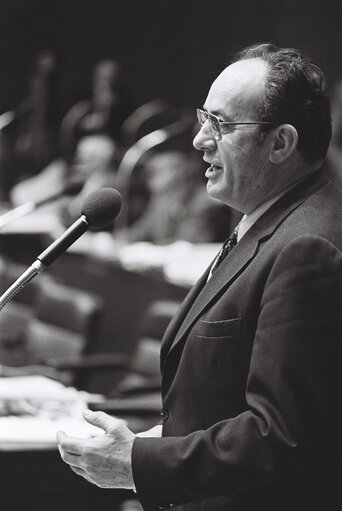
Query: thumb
x=101, y=420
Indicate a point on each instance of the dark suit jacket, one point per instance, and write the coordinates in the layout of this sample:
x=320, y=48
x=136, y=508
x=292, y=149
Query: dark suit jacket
x=251, y=372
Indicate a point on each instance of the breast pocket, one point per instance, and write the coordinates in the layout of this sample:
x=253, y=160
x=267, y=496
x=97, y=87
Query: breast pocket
x=229, y=329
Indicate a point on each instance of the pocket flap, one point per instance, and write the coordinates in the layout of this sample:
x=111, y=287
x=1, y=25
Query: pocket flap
x=221, y=328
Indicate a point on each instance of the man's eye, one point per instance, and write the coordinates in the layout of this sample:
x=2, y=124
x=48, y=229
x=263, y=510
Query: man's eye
x=225, y=128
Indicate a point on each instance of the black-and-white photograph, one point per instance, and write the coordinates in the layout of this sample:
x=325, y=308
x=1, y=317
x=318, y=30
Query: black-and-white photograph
x=171, y=255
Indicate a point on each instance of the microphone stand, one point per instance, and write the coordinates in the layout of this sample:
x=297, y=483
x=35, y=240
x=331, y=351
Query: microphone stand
x=28, y=275
x=71, y=188
x=98, y=209
x=48, y=256
x=18, y=212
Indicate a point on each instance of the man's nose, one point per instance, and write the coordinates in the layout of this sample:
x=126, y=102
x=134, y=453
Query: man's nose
x=204, y=140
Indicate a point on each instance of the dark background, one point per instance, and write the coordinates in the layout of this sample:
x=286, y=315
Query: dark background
x=168, y=48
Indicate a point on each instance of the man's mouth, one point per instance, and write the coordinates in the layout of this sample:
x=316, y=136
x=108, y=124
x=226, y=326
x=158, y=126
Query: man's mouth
x=212, y=171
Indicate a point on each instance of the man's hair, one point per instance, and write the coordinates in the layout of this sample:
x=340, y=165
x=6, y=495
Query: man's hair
x=295, y=93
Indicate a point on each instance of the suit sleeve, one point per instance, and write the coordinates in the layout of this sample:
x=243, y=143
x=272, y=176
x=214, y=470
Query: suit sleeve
x=291, y=393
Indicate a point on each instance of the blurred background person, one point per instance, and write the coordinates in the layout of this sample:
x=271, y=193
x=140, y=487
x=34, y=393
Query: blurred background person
x=30, y=139
x=178, y=206
x=37, y=145
x=94, y=164
x=102, y=113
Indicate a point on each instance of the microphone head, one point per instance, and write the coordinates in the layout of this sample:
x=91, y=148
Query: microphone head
x=102, y=206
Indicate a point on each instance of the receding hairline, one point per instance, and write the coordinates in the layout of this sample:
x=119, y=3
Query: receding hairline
x=258, y=63
x=242, y=76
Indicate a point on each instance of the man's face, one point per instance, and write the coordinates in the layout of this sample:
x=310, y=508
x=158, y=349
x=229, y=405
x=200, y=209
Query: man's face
x=93, y=154
x=239, y=168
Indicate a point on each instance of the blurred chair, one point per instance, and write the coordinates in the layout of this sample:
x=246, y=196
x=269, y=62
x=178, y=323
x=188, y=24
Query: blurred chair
x=157, y=318
x=104, y=111
x=62, y=326
x=146, y=118
x=176, y=131
x=14, y=317
x=134, y=375
x=136, y=392
x=60, y=342
x=137, y=396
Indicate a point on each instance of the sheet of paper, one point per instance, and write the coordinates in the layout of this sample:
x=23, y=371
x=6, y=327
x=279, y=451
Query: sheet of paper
x=37, y=431
x=37, y=387
x=34, y=408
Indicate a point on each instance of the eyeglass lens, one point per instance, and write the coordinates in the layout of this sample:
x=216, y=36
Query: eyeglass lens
x=203, y=116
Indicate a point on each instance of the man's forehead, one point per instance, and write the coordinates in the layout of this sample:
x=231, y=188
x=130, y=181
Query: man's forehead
x=240, y=84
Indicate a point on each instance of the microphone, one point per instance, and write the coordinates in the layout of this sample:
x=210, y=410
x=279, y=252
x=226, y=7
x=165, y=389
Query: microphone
x=98, y=209
x=72, y=187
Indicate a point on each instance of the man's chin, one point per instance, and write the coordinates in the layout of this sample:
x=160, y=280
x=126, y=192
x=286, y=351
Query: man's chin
x=213, y=191
x=218, y=194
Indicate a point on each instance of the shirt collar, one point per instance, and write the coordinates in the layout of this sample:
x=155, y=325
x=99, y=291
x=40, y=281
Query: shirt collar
x=247, y=221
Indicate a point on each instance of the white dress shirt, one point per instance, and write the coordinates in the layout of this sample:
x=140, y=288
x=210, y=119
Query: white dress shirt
x=247, y=221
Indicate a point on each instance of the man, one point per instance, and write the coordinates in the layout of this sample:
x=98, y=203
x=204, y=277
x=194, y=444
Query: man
x=251, y=385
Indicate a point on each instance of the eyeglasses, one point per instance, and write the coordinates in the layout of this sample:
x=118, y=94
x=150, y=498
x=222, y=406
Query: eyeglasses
x=219, y=128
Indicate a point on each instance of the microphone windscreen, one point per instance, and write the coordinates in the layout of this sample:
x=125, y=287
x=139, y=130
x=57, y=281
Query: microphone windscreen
x=102, y=206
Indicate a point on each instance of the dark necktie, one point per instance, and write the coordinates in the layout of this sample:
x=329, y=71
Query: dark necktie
x=227, y=247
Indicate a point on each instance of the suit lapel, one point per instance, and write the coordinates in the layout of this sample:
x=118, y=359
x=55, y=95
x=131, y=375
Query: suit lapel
x=229, y=269
x=177, y=320
x=203, y=293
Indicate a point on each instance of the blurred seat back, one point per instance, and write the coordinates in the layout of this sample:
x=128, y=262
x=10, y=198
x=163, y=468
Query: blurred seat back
x=146, y=118
x=65, y=324
x=14, y=317
x=157, y=318
x=9, y=272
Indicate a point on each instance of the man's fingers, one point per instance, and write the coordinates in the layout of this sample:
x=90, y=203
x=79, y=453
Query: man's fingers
x=103, y=460
x=71, y=459
x=102, y=420
x=70, y=444
x=79, y=471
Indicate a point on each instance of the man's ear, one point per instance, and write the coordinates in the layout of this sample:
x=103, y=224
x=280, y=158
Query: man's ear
x=285, y=140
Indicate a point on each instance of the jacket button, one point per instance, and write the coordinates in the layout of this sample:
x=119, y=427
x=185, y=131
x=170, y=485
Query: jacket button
x=165, y=414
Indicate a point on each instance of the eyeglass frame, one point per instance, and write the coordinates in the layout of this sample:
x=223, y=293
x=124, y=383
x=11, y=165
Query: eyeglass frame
x=216, y=124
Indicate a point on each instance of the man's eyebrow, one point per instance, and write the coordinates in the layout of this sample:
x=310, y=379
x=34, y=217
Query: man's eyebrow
x=218, y=113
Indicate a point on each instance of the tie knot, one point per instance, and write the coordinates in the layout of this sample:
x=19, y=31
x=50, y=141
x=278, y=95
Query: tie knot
x=232, y=240
x=229, y=244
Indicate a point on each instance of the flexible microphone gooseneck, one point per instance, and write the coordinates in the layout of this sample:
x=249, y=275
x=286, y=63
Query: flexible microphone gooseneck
x=72, y=187
x=98, y=210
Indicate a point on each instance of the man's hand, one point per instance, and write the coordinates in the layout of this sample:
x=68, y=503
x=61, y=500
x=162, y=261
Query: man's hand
x=104, y=460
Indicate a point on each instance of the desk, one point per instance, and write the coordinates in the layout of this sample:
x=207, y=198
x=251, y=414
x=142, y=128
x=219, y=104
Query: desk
x=33, y=475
